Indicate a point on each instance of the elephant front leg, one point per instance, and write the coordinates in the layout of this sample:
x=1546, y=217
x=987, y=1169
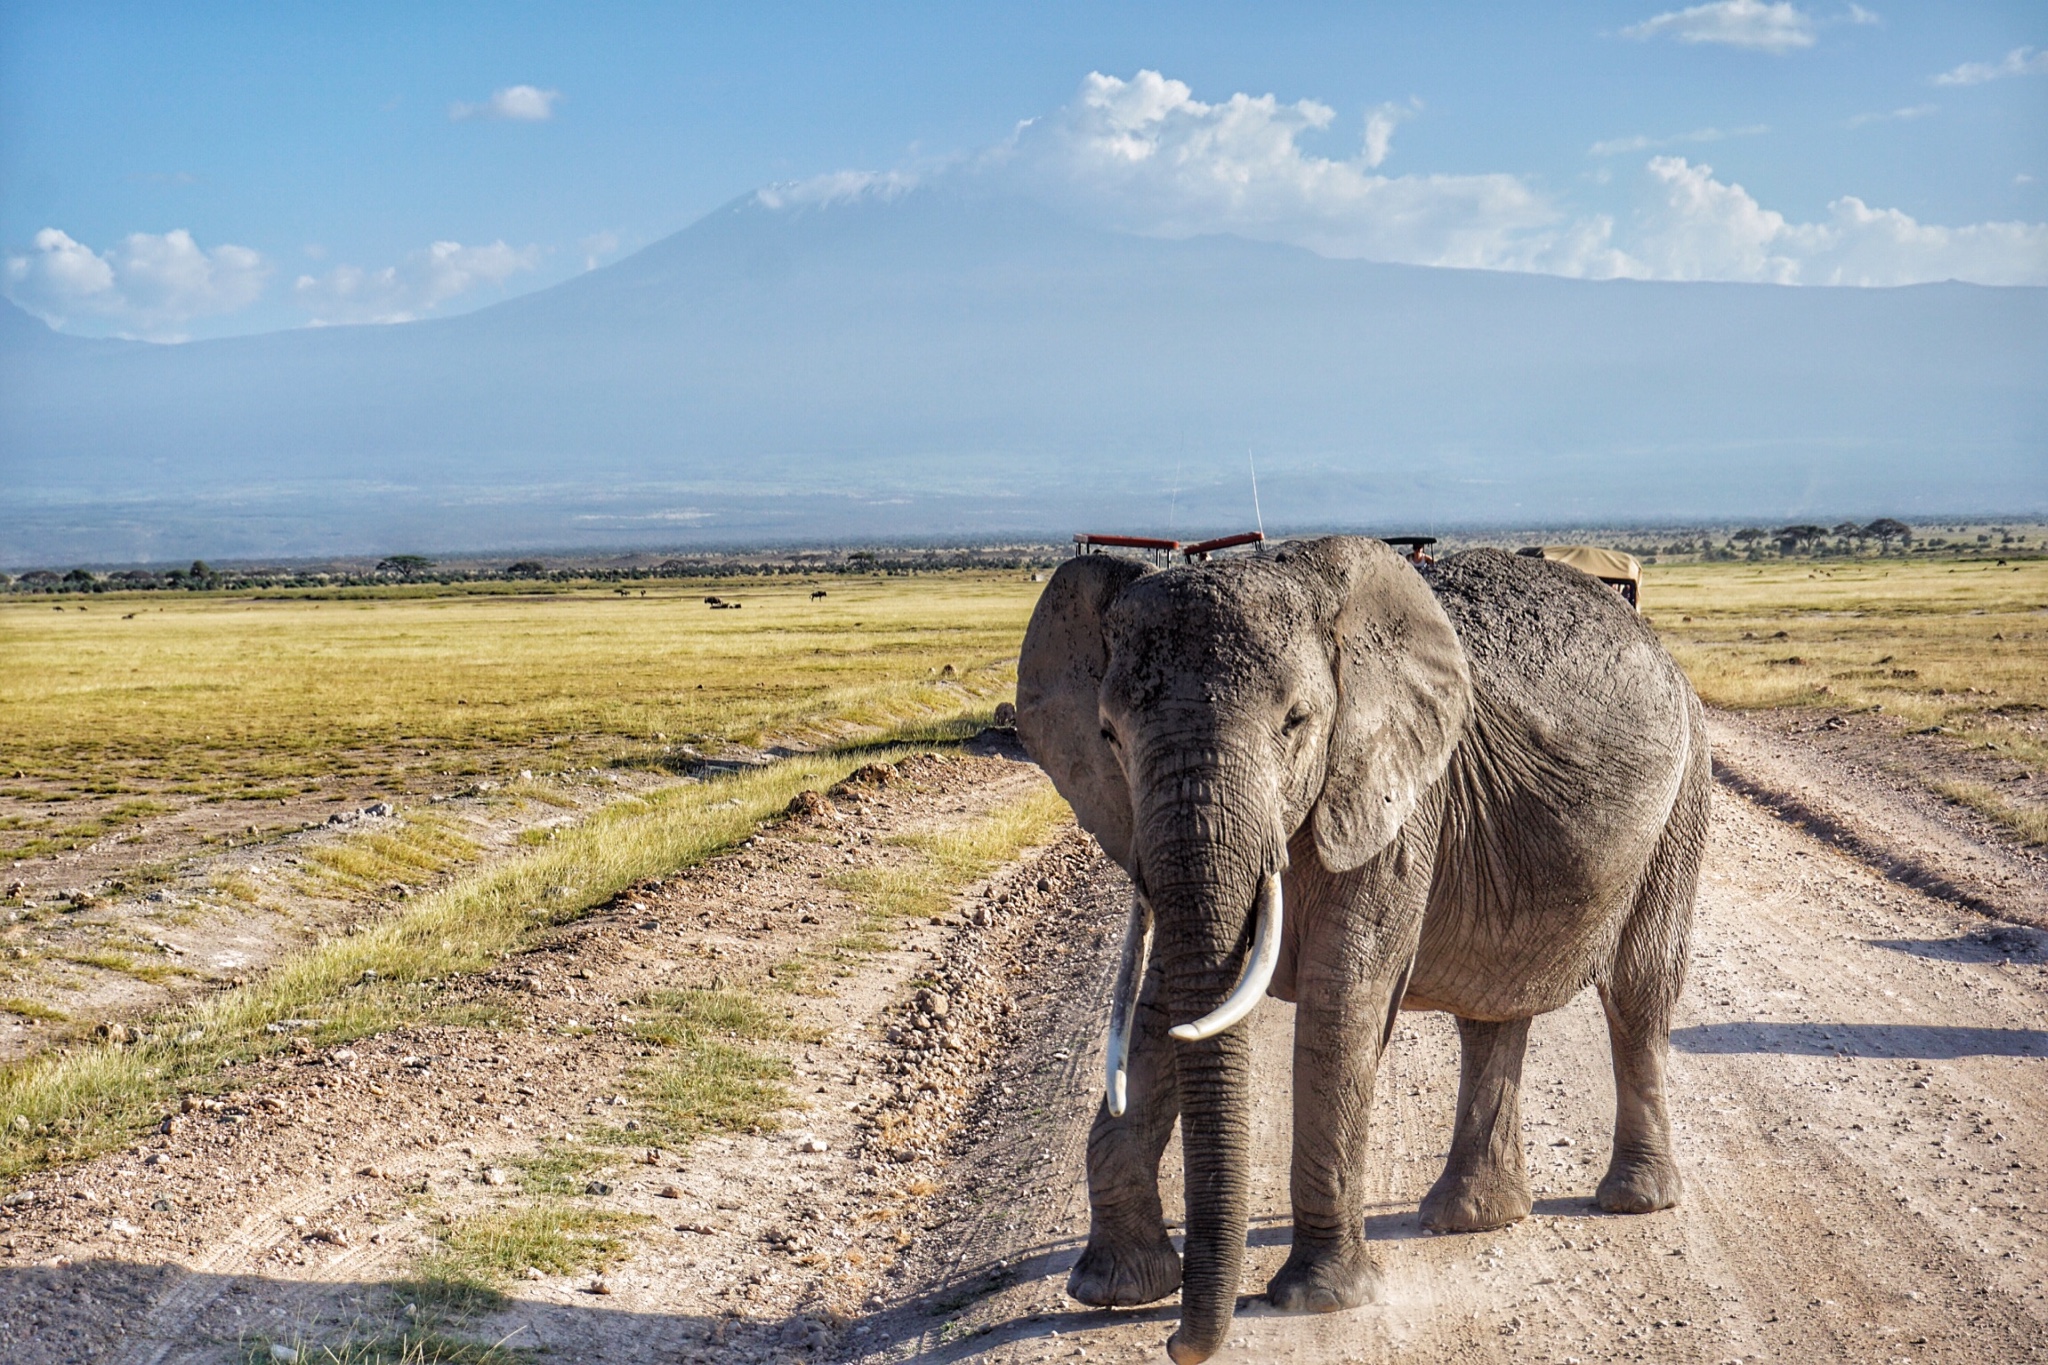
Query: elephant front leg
x=1128, y=1260
x=1338, y=1035
x=1485, y=1184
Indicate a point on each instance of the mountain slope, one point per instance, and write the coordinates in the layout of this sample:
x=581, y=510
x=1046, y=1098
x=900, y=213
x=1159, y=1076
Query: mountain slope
x=940, y=362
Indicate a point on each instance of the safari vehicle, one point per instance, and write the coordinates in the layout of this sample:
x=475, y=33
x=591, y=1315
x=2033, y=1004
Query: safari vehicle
x=1093, y=543
x=1618, y=571
x=1418, y=548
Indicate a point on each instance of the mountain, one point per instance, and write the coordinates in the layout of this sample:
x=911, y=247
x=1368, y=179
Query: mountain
x=946, y=363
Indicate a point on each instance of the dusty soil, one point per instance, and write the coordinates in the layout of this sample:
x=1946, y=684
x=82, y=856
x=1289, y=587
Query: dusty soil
x=1864, y=782
x=1860, y=1087
x=140, y=918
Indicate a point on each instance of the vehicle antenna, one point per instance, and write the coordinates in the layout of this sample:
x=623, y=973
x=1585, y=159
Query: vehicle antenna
x=1261, y=516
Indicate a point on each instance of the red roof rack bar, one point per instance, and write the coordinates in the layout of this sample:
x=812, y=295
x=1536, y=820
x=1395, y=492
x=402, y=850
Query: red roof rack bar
x=1203, y=547
x=1126, y=542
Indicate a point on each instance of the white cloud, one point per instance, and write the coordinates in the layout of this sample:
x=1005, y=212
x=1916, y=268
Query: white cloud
x=1779, y=27
x=1642, y=142
x=519, y=103
x=420, y=283
x=597, y=246
x=149, y=286
x=1379, y=129
x=1700, y=228
x=835, y=187
x=1145, y=156
x=2021, y=61
x=1906, y=115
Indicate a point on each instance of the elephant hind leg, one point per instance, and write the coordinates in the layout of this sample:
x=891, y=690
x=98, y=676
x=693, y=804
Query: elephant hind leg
x=1485, y=1184
x=1649, y=972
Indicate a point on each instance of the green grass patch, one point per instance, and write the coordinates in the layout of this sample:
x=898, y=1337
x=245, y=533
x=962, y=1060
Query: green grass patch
x=33, y=1009
x=481, y=1254
x=431, y=1347
x=950, y=859
x=563, y=1168
x=423, y=845
x=112, y=960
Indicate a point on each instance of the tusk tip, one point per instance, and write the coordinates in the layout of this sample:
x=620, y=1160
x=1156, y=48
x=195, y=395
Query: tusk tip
x=1186, y=1033
x=1116, y=1097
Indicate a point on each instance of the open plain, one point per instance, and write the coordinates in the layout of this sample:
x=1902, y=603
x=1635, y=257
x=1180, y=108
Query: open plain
x=668, y=1061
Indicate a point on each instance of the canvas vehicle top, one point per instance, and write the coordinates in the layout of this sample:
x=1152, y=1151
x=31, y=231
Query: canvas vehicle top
x=1612, y=567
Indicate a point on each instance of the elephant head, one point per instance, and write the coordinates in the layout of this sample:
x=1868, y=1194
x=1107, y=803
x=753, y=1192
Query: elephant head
x=1196, y=718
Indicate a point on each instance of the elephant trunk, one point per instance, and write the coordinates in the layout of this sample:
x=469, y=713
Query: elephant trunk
x=1214, y=905
x=1216, y=1138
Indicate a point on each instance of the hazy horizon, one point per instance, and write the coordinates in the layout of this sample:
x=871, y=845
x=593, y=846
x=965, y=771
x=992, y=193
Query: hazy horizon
x=647, y=278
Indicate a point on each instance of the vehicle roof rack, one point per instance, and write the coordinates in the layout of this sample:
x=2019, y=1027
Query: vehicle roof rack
x=1090, y=543
x=1199, y=551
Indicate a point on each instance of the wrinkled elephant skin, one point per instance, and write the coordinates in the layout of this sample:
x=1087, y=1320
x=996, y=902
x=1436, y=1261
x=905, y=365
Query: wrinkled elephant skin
x=1484, y=788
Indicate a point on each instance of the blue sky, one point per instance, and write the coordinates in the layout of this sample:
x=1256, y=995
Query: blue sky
x=201, y=170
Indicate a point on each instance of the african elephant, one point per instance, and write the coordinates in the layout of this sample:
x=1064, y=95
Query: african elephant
x=1361, y=786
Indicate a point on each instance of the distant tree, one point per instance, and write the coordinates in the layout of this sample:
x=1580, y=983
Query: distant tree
x=407, y=567
x=1792, y=539
x=526, y=567
x=1748, y=535
x=79, y=577
x=200, y=569
x=1885, y=530
x=1847, y=530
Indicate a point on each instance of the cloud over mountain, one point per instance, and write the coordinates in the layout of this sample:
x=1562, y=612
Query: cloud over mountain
x=150, y=285
x=1145, y=155
x=418, y=285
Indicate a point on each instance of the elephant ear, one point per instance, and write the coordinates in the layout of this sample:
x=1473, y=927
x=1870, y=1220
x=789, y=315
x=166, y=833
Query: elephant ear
x=1403, y=693
x=1059, y=689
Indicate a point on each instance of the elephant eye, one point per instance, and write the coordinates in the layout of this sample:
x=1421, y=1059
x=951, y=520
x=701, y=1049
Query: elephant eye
x=1109, y=734
x=1296, y=718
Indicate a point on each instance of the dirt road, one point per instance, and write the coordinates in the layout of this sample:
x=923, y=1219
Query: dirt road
x=1861, y=1092
x=1860, y=1087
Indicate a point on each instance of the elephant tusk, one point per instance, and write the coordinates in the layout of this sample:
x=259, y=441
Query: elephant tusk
x=1123, y=1008
x=1258, y=970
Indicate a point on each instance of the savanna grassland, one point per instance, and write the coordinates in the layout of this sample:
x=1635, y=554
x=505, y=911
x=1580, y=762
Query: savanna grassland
x=128, y=708
x=1956, y=651
x=603, y=941
x=543, y=751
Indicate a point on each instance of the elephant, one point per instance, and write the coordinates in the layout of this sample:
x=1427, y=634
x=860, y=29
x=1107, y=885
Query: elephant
x=1362, y=786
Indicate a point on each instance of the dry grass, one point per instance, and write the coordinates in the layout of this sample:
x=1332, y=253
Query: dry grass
x=2029, y=822
x=949, y=860
x=422, y=846
x=76, y=1102
x=1962, y=645
x=244, y=698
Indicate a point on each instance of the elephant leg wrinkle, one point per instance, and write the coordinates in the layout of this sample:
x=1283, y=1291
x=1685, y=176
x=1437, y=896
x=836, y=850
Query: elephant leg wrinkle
x=1490, y=783
x=1485, y=1184
x=1129, y=1259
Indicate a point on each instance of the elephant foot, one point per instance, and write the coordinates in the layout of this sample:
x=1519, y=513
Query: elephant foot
x=1124, y=1276
x=1324, y=1280
x=1640, y=1185
x=1475, y=1203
